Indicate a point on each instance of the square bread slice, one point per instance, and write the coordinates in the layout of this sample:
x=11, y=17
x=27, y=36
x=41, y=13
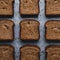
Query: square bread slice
x=52, y=28
x=29, y=8
x=6, y=52
x=29, y=30
x=30, y=52
x=6, y=30
x=52, y=8
x=53, y=52
x=6, y=8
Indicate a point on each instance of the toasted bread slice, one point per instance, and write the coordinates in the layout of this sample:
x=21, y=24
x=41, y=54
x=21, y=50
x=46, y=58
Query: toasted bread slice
x=6, y=52
x=52, y=30
x=30, y=6
x=52, y=8
x=6, y=8
x=6, y=30
x=30, y=52
x=53, y=52
x=29, y=30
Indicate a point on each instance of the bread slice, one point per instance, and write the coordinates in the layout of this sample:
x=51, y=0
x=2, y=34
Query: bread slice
x=29, y=8
x=52, y=30
x=6, y=52
x=29, y=52
x=29, y=30
x=52, y=8
x=6, y=8
x=53, y=52
x=6, y=30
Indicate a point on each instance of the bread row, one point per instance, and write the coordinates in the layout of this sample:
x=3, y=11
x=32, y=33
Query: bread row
x=29, y=8
x=29, y=30
x=29, y=52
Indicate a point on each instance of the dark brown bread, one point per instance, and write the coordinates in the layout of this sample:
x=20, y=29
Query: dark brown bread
x=30, y=52
x=6, y=8
x=29, y=30
x=6, y=52
x=53, y=30
x=52, y=7
x=53, y=52
x=6, y=30
x=29, y=7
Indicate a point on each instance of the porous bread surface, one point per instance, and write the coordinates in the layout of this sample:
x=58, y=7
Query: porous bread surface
x=29, y=6
x=29, y=30
x=6, y=29
x=53, y=53
x=53, y=30
x=52, y=7
x=30, y=53
x=6, y=53
x=6, y=7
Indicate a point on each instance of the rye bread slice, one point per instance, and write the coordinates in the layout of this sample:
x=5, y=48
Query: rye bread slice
x=53, y=52
x=6, y=8
x=29, y=8
x=52, y=8
x=6, y=52
x=6, y=30
x=29, y=30
x=30, y=52
x=52, y=29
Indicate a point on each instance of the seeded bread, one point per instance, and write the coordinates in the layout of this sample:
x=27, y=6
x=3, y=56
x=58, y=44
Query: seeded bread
x=6, y=52
x=29, y=52
x=53, y=30
x=6, y=30
x=53, y=52
x=29, y=8
x=29, y=30
x=6, y=8
x=52, y=8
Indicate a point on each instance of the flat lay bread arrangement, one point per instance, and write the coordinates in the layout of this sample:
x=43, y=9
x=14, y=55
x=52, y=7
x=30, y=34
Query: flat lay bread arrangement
x=29, y=29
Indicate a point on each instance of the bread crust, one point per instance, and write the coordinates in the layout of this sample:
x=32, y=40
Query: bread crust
x=30, y=46
x=51, y=46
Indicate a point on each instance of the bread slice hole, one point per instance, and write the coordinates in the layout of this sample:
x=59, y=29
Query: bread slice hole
x=6, y=26
x=5, y=50
x=26, y=1
x=1, y=2
x=4, y=7
x=55, y=0
x=58, y=27
x=28, y=22
x=6, y=2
